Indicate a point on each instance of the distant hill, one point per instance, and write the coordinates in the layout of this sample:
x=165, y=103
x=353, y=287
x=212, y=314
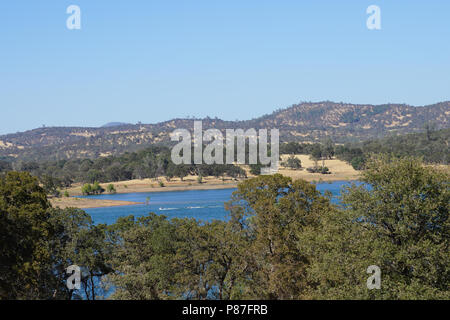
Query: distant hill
x=307, y=122
x=114, y=124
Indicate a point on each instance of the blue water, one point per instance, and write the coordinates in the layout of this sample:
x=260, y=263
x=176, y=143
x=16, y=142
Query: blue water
x=205, y=205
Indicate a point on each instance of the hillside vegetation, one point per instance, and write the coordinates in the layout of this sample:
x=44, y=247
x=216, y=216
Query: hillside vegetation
x=432, y=146
x=305, y=122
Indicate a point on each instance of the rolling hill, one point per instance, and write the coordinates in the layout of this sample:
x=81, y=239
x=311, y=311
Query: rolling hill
x=306, y=122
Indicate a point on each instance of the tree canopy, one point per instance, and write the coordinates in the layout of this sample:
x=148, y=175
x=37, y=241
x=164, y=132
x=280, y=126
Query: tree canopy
x=284, y=240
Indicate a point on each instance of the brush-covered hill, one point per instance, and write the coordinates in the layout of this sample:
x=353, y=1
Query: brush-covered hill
x=304, y=122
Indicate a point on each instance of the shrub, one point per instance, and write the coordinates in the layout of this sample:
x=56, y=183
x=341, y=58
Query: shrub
x=111, y=188
x=322, y=170
x=86, y=189
x=255, y=169
x=358, y=163
x=325, y=170
x=97, y=189
x=292, y=162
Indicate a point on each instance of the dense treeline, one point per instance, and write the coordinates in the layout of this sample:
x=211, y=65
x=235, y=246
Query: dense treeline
x=284, y=240
x=432, y=146
x=152, y=162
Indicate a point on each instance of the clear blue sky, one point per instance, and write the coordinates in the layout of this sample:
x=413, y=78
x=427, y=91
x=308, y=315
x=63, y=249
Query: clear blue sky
x=151, y=61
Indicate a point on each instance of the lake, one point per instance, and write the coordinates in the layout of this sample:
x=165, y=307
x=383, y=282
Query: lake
x=206, y=205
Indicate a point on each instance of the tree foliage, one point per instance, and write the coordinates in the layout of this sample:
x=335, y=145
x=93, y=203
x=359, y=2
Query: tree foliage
x=24, y=229
x=292, y=162
x=284, y=240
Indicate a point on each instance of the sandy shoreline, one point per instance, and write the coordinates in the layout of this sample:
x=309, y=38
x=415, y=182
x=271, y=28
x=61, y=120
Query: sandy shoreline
x=340, y=171
x=84, y=203
x=141, y=186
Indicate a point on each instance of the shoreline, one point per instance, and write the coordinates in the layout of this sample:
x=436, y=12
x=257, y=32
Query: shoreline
x=203, y=186
x=143, y=186
x=92, y=203
x=83, y=203
x=340, y=171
